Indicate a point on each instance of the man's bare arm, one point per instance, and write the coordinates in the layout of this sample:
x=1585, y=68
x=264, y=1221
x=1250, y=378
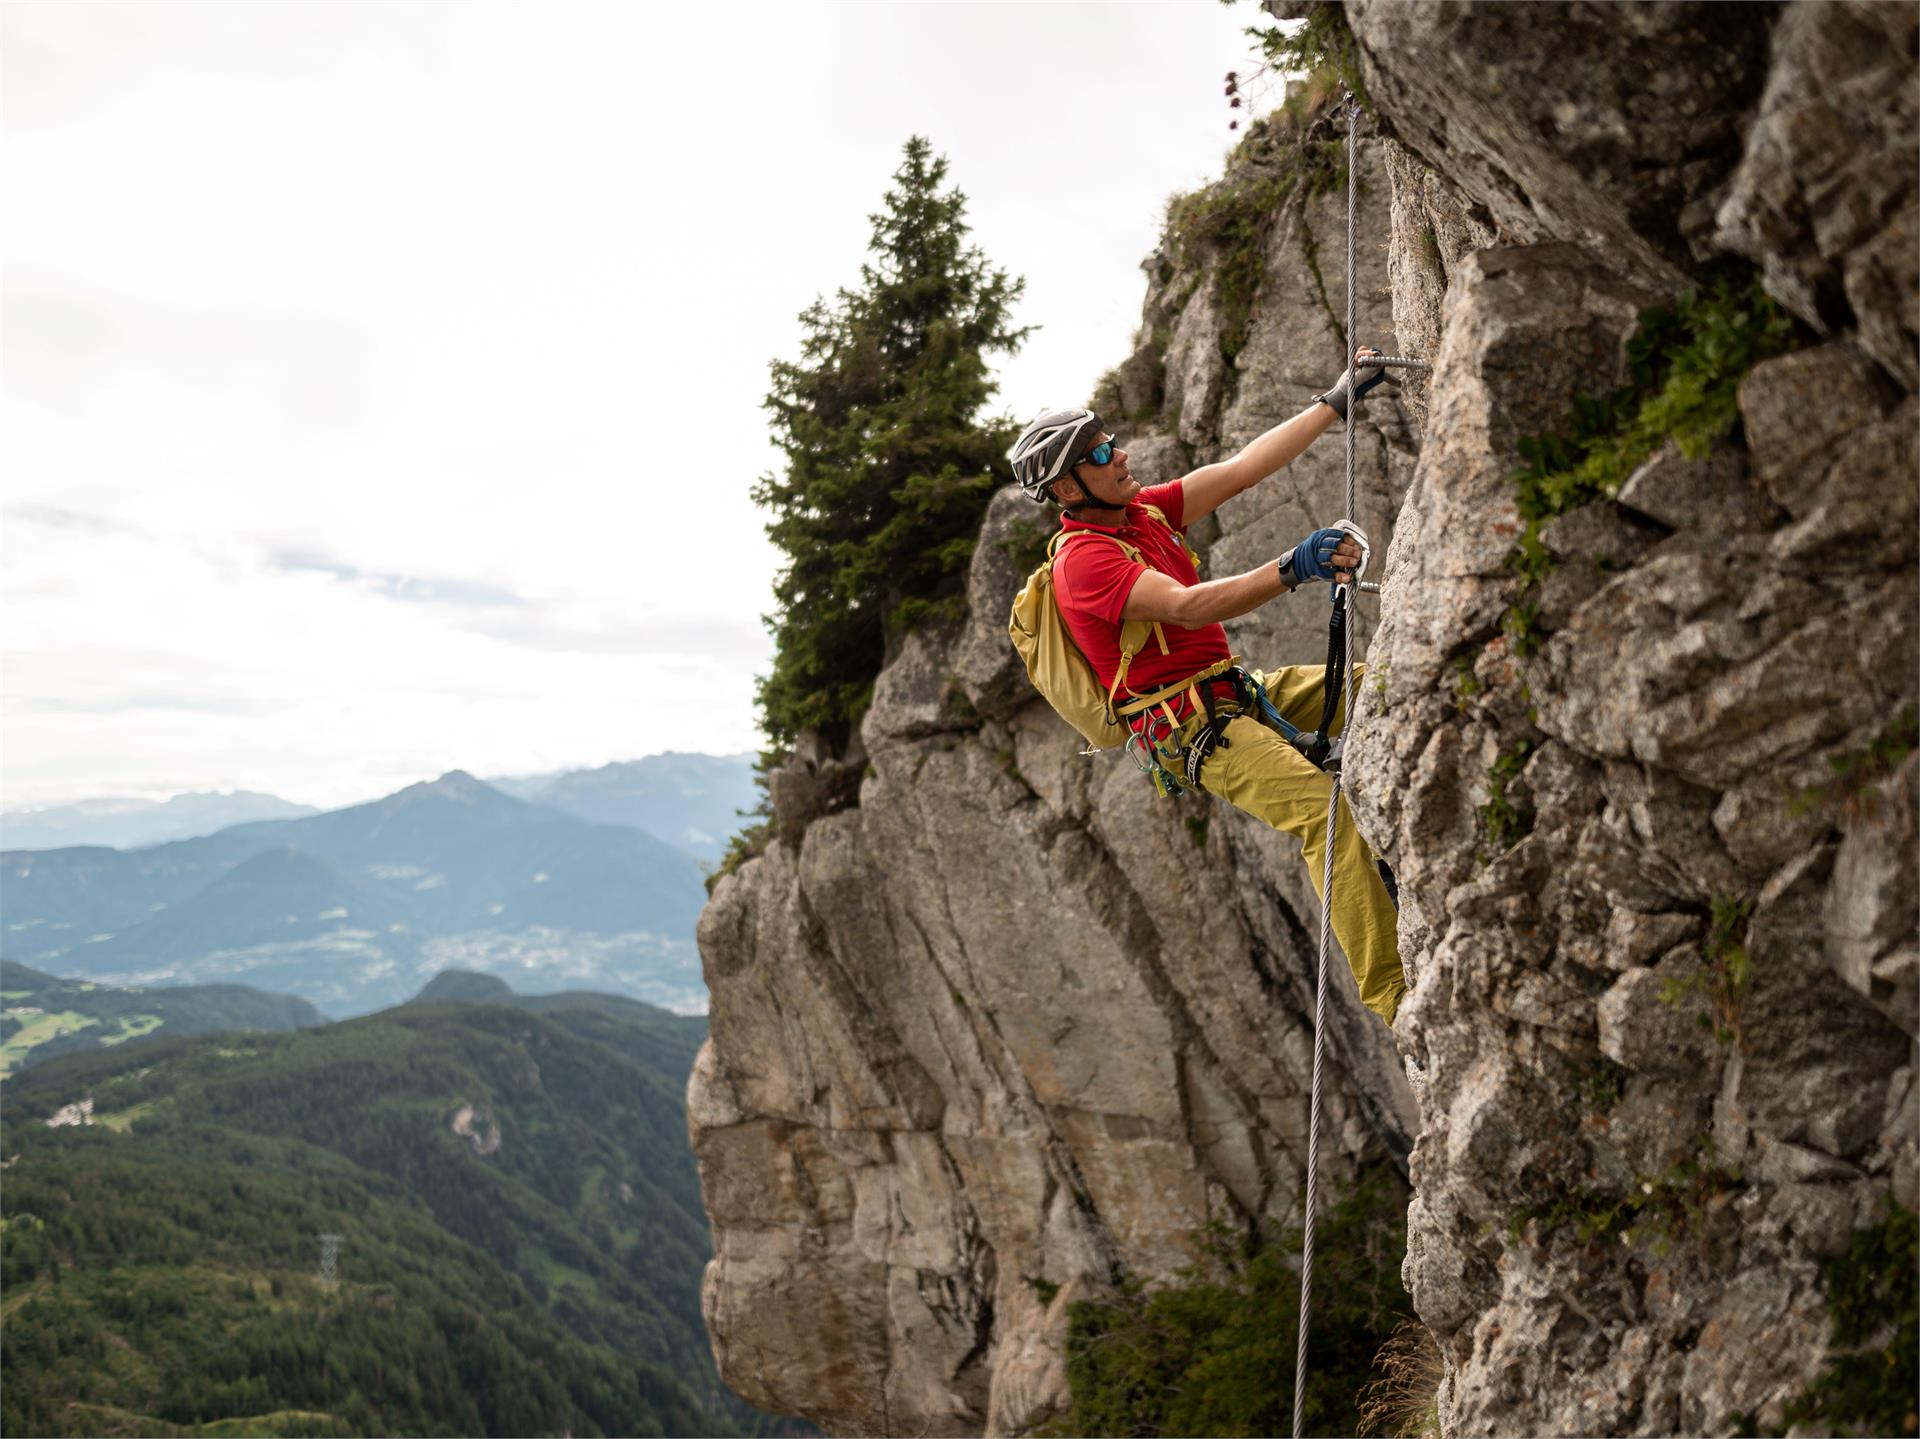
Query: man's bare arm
x=1211, y=486
x=1157, y=597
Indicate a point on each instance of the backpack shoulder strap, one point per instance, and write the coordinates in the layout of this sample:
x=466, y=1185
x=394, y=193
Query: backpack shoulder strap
x=1145, y=628
x=1160, y=515
x=1055, y=545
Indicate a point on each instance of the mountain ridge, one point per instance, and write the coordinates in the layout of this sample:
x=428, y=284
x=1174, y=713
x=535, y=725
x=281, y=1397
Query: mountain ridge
x=440, y=871
x=690, y=800
x=129, y=823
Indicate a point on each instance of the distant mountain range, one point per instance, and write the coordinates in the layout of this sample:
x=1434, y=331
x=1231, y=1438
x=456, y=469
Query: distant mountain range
x=354, y=908
x=130, y=823
x=515, y=1236
x=692, y=802
x=42, y=1017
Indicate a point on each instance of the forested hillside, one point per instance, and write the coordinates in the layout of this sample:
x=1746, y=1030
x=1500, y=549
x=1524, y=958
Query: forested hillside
x=45, y=1016
x=519, y=1236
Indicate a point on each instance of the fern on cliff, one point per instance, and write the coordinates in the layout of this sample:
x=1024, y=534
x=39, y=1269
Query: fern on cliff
x=1685, y=364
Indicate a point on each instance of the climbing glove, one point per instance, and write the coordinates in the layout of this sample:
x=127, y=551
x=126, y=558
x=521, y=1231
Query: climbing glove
x=1337, y=395
x=1311, y=559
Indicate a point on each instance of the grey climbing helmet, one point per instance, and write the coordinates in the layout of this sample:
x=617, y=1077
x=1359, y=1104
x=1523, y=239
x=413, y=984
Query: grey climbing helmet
x=1051, y=446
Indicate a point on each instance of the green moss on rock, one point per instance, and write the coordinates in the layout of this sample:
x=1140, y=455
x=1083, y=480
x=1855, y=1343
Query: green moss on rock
x=1685, y=364
x=1873, y=1294
x=1231, y=222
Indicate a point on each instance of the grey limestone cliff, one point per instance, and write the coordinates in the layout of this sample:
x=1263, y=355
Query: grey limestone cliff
x=1663, y=1043
x=1011, y=1026
x=994, y=1028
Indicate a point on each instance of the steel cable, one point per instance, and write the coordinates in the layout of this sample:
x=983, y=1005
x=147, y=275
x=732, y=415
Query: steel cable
x=1350, y=427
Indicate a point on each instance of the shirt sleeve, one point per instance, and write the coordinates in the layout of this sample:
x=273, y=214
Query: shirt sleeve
x=1170, y=499
x=1096, y=578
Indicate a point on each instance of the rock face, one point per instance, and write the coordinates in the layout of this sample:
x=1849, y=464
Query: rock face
x=1609, y=152
x=1013, y=1022
x=993, y=1028
x=1663, y=1043
x=1823, y=198
x=1685, y=697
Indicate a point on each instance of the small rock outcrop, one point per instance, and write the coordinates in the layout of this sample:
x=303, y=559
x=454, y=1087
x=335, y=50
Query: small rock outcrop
x=478, y=1128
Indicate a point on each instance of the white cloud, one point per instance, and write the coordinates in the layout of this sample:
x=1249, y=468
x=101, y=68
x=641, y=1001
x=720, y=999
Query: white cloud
x=388, y=399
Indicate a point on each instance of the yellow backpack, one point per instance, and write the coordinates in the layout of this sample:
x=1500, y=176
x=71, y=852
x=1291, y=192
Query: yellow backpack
x=1063, y=675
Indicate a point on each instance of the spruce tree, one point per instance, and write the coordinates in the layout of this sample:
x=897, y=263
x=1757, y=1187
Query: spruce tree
x=889, y=461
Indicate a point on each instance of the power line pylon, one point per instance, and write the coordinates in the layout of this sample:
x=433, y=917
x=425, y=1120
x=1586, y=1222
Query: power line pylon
x=330, y=1260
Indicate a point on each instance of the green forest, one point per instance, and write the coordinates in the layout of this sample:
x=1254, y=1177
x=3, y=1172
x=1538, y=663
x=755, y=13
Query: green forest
x=74, y=1014
x=536, y=1273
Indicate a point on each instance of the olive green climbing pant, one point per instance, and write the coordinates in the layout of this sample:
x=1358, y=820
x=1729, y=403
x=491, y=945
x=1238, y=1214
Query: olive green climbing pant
x=1259, y=772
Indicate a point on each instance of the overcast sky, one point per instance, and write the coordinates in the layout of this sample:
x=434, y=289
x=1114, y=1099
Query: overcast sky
x=383, y=381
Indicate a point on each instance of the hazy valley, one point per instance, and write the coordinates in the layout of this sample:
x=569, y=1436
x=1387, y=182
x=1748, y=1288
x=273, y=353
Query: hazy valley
x=570, y=886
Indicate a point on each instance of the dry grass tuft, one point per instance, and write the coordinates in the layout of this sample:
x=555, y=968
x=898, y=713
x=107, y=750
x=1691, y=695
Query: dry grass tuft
x=1403, y=1401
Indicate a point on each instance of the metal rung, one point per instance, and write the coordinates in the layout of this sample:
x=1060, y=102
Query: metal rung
x=1393, y=362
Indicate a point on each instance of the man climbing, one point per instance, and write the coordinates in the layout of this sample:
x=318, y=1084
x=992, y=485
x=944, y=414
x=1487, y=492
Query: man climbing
x=1213, y=728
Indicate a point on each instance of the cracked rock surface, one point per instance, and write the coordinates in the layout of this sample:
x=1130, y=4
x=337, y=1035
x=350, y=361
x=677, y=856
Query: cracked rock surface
x=1622, y=1154
x=1662, y=1032
x=994, y=1028
x=1010, y=1028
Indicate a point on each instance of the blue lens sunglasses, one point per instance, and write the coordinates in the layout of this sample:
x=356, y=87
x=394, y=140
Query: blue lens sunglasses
x=1100, y=454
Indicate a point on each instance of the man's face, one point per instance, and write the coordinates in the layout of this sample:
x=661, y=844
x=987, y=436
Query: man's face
x=1111, y=484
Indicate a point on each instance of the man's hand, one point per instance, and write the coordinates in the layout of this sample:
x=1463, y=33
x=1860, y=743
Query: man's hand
x=1349, y=387
x=1346, y=559
x=1330, y=554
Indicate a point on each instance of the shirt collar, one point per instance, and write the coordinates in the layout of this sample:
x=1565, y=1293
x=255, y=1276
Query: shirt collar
x=1133, y=513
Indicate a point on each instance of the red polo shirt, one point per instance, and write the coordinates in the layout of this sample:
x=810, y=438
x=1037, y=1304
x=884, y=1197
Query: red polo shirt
x=1092, y=579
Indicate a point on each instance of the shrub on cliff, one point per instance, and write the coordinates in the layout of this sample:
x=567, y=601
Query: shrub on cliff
x=1215, y=1355
x=889, y=463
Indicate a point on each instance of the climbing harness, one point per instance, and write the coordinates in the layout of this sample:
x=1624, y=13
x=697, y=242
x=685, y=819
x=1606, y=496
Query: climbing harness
x=1175, y=763
x=1339, y=690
